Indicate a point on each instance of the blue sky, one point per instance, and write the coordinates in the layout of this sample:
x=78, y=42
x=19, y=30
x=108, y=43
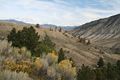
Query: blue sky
x=59, y=12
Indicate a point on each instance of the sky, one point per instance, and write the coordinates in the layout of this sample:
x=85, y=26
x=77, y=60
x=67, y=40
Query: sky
x=58, y=12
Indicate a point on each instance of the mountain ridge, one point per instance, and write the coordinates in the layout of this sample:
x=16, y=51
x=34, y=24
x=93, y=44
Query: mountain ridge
x=103, y=32
x=105, y=28
x=14, y=21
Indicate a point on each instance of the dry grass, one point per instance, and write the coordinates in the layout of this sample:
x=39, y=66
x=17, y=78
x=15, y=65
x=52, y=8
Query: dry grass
x=81, y=54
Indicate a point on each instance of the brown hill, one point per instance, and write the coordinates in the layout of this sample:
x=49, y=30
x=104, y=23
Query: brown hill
x=79, y=52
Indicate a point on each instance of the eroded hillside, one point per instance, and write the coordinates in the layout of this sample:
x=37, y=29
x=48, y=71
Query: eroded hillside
x=103, y=32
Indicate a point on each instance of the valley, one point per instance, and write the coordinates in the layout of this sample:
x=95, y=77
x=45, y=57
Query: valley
x=80, y=52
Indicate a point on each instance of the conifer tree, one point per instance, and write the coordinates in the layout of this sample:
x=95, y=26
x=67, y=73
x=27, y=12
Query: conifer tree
x=100, y=63
x=37, y=25
x=12, y=36
x=61, y=55
x=85, y=73
x=27, y=37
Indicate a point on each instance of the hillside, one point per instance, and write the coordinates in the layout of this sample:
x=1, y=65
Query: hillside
x=103, y=32
x=13, y=21
x=107, y=28
x=79, y=52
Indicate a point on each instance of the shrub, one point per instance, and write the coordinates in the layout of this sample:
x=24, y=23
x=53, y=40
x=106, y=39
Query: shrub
x=67, y=71
x=40, y=66
x=25, y=53
x=24, y=66
x=52, y=58
x=51, y=72
x=2, y=58
x=8, y=75
x=12, y=52
x=38, y=63
x=5, y=47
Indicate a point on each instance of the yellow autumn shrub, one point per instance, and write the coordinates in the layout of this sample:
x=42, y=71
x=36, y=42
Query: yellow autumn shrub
x=52, y=57
x=66, y=69
x=9, y=64
x=24, y=66
x=38, y=63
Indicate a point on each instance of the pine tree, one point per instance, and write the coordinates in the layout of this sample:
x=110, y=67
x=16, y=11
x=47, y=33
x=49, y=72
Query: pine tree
x=100, y=75
x=27, y=37
x=61, y=55
x=118, y=63
x=48, y=41
x=46, y=45
x=100, y=63
x=60, y=29
x=37, y=26
x=85, y=73
x=118, y=69
x=12, y=37
x=111, y=72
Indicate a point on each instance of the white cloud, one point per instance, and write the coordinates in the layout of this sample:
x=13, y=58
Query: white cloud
x=57, y=12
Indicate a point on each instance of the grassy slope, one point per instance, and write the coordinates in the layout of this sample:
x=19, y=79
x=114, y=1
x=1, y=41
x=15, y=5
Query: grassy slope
x=81, y=54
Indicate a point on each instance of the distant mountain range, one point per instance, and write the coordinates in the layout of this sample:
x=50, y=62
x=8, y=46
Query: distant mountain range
x=41, y=25
x=53, y=26
x=13, y=21
x=48, y=25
